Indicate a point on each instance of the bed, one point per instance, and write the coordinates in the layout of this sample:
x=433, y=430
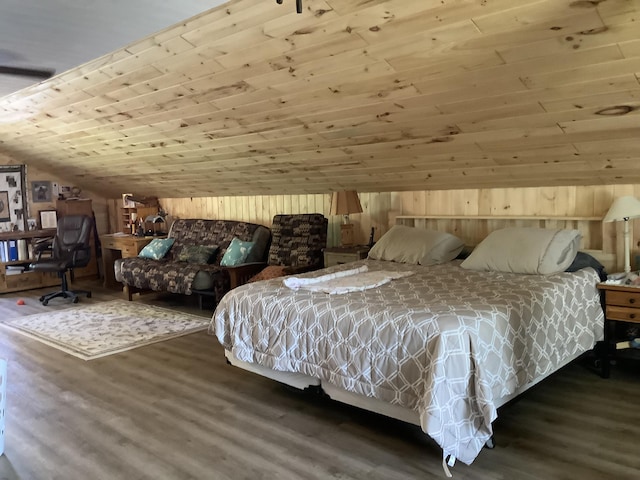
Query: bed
x=440, y=345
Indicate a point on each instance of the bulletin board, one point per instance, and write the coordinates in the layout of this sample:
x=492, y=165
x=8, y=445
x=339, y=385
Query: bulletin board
x=13, y=204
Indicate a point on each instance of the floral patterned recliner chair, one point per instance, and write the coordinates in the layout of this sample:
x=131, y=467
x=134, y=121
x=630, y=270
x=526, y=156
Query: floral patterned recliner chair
x=296, y=245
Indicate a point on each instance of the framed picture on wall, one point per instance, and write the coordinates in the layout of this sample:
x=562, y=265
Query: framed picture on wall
x=13, y=198
x=5, y=211
x=41, y=192
x=48, y=219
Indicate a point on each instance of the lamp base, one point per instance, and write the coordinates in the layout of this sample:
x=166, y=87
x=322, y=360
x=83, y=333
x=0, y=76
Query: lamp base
x=346, y=234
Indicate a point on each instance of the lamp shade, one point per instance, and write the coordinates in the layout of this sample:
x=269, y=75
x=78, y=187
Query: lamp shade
x=345, y=202
x=623, y=208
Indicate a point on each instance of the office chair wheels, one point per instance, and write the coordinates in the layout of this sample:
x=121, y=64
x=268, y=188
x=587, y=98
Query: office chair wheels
x=75, y=300
x=45, y=302
x=41, y=299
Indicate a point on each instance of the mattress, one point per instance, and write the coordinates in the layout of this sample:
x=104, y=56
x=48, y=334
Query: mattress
x=443, y=341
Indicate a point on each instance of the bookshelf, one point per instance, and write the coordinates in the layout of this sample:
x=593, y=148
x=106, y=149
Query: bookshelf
x=15, y=275
x=127, y=214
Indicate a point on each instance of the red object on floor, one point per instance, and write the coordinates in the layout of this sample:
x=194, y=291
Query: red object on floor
x=20, y=302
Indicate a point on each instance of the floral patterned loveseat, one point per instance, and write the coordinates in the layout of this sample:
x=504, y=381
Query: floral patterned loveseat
x=171, y=275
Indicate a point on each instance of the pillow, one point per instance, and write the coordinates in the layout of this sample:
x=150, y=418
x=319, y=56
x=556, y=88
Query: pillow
x=416, y=245
x=584, y=260
x=525, y=250
x=267, y=273
x=199, y=254
x=236, y=253
x=261, y=238
x=157, y=248
x=202, y=281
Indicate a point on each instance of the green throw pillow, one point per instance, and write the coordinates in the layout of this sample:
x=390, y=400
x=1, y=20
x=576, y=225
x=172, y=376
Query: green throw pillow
x=198, y=254
x=157, y=249
x=237, y=253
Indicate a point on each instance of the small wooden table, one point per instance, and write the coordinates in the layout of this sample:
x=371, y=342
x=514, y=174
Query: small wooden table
x=118, y=245
x=622, y=304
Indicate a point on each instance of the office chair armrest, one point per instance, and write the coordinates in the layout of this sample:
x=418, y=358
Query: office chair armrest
x=41, y=245
x=77, y=249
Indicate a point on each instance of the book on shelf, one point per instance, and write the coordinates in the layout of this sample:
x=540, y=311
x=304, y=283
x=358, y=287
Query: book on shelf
x=13, y=250
x=22, y=250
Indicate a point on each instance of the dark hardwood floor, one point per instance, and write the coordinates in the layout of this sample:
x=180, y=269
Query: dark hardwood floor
x=176, y=410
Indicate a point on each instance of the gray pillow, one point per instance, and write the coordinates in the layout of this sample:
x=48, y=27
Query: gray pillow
x=202, y=281
x=198, y=254
x=525, y=250
x=417, y=246
x=261, y=239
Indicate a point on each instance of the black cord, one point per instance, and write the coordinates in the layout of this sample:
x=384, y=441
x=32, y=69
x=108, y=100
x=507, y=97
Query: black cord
x=298, y=5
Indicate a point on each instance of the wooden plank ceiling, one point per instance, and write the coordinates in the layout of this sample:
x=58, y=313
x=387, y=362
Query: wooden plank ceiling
x=252, y=98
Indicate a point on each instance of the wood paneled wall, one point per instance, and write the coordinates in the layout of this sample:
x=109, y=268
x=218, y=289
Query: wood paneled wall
x=381, y=208
x=99, y=203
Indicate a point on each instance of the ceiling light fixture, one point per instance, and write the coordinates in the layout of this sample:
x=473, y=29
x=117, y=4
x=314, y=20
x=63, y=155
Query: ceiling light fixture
x=298, y=5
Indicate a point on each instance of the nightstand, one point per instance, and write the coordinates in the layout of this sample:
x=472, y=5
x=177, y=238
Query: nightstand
x=339, y=255
x=622, y=304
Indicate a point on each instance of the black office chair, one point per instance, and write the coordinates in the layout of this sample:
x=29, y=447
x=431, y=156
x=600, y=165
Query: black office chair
x=71, y=249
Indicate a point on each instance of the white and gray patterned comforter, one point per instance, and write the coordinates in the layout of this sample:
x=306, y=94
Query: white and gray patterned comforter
x=445, y=341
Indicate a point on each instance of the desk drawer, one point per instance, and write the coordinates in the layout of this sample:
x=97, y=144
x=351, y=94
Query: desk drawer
x=624, y=314
x=27, y=280
x=109, y=243
x=129, y=251
x=629, y=299
x=332, y=258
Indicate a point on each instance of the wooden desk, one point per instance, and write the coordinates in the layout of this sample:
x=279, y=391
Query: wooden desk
x=117, y=245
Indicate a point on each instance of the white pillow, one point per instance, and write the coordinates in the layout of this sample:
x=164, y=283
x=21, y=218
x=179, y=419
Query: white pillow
x=416, y=245
x=525, y=250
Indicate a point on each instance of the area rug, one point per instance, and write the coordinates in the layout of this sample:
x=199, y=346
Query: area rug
x=100, y=329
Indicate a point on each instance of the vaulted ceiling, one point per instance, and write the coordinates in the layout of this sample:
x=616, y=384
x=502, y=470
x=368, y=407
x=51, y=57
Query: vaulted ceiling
x=252, y=98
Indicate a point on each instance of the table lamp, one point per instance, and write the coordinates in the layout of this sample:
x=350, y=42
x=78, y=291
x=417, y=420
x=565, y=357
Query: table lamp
x=624, y=208
x=343, y=203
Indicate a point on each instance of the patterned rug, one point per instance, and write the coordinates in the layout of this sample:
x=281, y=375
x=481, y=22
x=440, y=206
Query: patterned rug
x=100, y=329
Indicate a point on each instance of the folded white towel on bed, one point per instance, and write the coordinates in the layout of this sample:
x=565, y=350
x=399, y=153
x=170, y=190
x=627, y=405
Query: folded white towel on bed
x=353, y=280
x=298, y=282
